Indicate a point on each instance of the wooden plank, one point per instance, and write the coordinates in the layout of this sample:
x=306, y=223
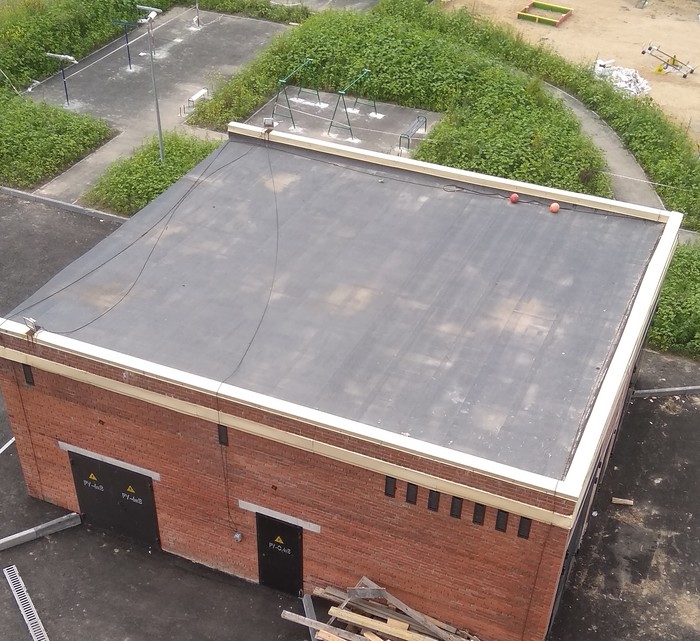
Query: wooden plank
x=371, y=635
x=377, y=609
x=317, y=625
x=417, y=616
x=343, y=604
x=322, y=635
x=366, y=593
x=377, y=626
x=310, y=612
x=395, y=623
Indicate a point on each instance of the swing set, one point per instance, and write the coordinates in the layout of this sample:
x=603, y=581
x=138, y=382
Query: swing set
x=359, y=82
x=305, y=72
x=283, y=110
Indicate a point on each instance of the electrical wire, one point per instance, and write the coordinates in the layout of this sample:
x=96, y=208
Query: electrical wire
x=224, y=470
x=450, y=187
x=169, y=214
x=274, y=270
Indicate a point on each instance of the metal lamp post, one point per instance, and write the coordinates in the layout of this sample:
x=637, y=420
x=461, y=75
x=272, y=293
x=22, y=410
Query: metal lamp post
x=148, y=20
x=126, y=25
x=63, y=58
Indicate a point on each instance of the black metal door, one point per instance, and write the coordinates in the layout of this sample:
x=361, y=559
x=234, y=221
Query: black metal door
x=114, y=498
x=280, y=555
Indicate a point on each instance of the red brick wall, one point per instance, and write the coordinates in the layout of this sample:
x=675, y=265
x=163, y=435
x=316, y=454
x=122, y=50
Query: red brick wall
x=495, y=584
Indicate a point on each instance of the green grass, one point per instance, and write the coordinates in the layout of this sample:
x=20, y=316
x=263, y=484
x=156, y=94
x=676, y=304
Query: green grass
x=660, y=146
x=130, y=184
x=38, y=141
x=676, y=325
x=30, y=28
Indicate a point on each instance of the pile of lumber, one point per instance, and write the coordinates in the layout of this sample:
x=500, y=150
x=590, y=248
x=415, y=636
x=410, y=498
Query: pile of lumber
x=368, y=612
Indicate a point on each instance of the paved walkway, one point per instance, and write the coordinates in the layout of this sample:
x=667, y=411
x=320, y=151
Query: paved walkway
x=629, y=182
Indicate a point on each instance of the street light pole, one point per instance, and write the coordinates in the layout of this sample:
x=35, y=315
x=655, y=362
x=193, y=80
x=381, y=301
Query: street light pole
x=155, y=96
x=149, y=22
x=63, y=58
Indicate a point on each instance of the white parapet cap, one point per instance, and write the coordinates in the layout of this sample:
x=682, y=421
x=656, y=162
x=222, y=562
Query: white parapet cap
x=451, y=173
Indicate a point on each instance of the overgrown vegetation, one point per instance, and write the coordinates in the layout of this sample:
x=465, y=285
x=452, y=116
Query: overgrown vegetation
x=130, y=184
x=676, y=325
x=38, y=141
x=263, y=9
x=499, y=121
x=661, y=147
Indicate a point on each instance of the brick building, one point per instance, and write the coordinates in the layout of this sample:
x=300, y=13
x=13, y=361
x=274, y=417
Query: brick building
x=305, y=363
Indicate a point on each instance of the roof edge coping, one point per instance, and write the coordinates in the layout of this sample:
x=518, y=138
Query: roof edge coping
x=451, y=173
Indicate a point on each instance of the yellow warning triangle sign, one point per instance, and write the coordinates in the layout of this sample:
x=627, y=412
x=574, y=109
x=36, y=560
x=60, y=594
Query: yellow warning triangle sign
x=92, y=477
x=279, y=540
x=131, y=489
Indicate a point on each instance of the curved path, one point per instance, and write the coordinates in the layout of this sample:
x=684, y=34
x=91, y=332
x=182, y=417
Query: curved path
x=629, y=182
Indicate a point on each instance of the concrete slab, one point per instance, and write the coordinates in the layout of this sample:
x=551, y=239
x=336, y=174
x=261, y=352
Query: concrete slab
x=187, y=59
x=378, y=131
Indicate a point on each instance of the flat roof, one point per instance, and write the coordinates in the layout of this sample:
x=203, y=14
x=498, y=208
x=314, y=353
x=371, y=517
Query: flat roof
x=419, y=305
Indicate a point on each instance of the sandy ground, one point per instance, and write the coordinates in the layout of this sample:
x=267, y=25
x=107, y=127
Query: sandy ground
x=619, y=30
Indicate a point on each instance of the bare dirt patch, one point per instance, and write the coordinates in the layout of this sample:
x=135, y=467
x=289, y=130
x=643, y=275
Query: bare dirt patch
x=619, y=30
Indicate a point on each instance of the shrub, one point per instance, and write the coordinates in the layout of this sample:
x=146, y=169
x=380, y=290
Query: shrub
x=263, y=9
x=676, y=325
x=130, y=184
x=661, y=147
x=38, y=141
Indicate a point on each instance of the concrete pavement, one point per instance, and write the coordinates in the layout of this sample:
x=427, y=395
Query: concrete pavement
x=187, y=59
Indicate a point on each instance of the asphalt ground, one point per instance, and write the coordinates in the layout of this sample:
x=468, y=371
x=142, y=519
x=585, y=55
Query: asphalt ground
x=37, y=241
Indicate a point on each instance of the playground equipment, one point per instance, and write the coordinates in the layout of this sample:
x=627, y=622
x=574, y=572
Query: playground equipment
x=668, y=62
x=527, y=13
x=284, y=109
x=358, y=82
